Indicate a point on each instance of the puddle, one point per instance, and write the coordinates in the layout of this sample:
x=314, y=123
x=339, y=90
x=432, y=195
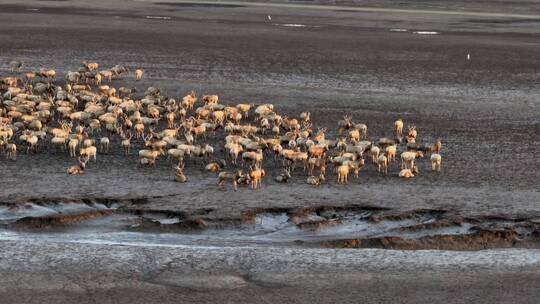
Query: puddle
x=426, y=33
x=76, y=222
x=294, y=25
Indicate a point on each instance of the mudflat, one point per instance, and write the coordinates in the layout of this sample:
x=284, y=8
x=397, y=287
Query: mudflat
x=374, y=66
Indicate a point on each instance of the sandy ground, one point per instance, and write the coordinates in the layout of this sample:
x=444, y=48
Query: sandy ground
x=341, y=62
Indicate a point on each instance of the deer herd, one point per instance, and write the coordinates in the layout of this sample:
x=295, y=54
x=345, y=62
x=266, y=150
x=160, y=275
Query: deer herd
x=83, y=115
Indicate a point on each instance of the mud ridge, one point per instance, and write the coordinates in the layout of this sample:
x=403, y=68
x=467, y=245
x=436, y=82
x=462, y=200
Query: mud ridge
x=394, y=215
x=250, y=215
x=479, y=240
x=444, y=223
x=58, y=220
x=87, y=201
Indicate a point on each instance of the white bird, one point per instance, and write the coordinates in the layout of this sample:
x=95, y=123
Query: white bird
x=468, y=56
x=269, y=18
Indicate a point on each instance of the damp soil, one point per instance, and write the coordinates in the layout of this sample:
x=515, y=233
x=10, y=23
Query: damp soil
x=485, y=109
x=125, y=234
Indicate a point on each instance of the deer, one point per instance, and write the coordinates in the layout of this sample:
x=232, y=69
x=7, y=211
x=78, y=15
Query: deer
x=232, y=176
x=139, y=74
x=408, y=173
x=148, y=157
x=171, y=116
x=354, y=135
x=306, y=117
x=398, y=128
x=210, y=99
x=411, y=136
x=215, y=167
x=16, y=65
x=345, y=124
x=256, y=175
x=158, y=145
x=139, y=130
x=48, y=74
x=59, y=142
x=91, y=66
x=189, y=100
x=382, y=163
x=436, y=148
x=107, y=74
x=78, y=169
x=284, y=176
x=343, y=172
x=374, y=152
x=244, y=108
x=363, y=130
x=318, y=151
x=291, y=157
x=436, y=161
x=104, y=144
x=408, y=157
x=234, y=150
x=32, y=141
x=317, y=163
x=391, y=152
x=11, y=151
x=29, y=77
x=73, y=145
x=179, y=174
x=126, y=142
x=90, y=151
x=255, y=158
x=315, y=181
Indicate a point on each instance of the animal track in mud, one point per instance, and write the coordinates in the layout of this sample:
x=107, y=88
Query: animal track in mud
x=350, y=226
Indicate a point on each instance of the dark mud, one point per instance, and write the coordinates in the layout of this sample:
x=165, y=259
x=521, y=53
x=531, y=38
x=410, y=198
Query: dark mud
x=483, y=109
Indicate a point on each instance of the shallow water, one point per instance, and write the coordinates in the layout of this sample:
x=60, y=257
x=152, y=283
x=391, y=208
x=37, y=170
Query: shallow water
x=160, y=229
